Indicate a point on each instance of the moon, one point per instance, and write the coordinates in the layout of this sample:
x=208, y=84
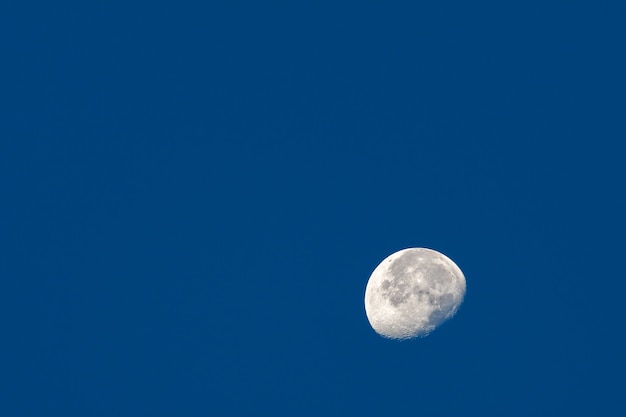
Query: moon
x=412, y=292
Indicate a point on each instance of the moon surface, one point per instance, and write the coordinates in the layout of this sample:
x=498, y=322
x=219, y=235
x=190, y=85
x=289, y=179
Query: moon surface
x=412, y=292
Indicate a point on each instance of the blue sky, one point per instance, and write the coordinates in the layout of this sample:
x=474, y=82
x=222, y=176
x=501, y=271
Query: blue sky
x=194, y=197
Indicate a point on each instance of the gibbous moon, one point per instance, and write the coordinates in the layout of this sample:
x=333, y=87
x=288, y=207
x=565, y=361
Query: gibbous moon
x=412, y=292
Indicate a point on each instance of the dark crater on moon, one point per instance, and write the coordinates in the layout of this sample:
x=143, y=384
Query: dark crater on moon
x=397, y=293
x=446, y=304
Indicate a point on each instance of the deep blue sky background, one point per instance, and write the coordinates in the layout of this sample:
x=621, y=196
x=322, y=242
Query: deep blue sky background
x=194, y=196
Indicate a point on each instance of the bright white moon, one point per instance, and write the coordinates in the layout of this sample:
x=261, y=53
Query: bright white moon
x=412, y=292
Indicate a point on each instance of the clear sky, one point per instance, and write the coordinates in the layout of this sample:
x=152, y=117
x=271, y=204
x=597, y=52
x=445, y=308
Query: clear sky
x=194, y=196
